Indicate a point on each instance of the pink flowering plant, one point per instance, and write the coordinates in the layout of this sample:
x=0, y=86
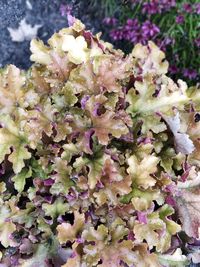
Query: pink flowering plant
x=172, y=25
x=100, y=157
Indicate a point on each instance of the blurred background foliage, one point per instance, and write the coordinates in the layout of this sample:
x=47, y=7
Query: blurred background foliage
x=173, y=25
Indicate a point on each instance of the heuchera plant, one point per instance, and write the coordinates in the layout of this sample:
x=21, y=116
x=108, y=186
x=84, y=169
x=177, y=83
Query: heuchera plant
x=99, y=157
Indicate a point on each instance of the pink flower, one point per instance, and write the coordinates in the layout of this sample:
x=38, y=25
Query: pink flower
x=190, y=73
x=150, y=8
x=149, y=29
x=163, y=44
x=187, y=7
x=173, y=69
x=157, y=6
x=131, y=30
x=166, y=5
x=117, y=34
x=110, y=21
x=180, y=19
x=65, y=9
x=197, y=8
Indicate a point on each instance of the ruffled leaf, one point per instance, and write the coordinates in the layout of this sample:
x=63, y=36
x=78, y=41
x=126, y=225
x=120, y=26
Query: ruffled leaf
x=10, y=136
x=55, y=209
x=150, y=59
x=68, y=232
x=20, y=179
x=188, y=209
x=12, y=92
x=158, y=229
x=141, y=171
x=182, y=141
x=177, y=259
x=76, y=48
x=40, y=52
x=95, y=168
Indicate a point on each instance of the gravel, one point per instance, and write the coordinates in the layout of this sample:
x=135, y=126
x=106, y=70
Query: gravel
x=38, y=12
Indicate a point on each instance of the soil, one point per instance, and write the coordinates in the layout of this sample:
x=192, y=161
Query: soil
x=43, y=12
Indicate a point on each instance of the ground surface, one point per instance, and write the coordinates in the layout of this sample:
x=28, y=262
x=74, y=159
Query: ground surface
x=37, y=12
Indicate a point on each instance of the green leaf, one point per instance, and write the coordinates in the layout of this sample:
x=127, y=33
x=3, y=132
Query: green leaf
x=39, y=257
x=174, y=260
x=20, y=179
x=18, y=156
x=68, y=232
x=55, y=209
x=95, y=165
x=171, y=95
x=6, y=227
x=69, y=94
x=38, y=170
x=63, y=173
x=10, y=136
x=40, y=52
